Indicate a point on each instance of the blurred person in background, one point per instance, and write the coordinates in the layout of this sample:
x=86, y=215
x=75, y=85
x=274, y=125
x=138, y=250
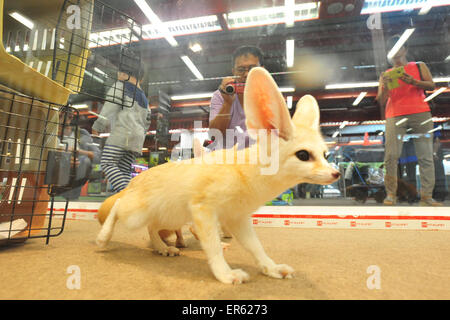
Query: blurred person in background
x=127, y=126
x=405, y=108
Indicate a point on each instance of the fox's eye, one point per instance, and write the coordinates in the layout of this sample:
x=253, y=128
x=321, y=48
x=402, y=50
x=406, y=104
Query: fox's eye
x=326, y=155
x=302, y=155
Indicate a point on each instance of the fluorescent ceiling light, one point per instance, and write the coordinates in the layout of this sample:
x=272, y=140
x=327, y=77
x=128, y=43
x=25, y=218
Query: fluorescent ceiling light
x=210, y=94
x=375, y=6
x=290, y=45
x=401, y=121
x=94, y=77
x=435, y=129
x=196, y=47
x=192, y=96
x=425, y=9
x=271, y=15
x=287, y=89
x=192, y=67
x=400, y=42
x=99, y=71
x=442, y=79
x=335, y=134
x=438, y=92
x=154, y=19
x=80, y=106
x=289, y=100
x=351, y=85
x=23, y=20
x=289, y=6
x=448, y=58
x=360, y=97
x=343, y=124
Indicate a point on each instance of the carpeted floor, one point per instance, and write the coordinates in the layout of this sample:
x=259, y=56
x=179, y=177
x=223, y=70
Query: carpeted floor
x=329, y=264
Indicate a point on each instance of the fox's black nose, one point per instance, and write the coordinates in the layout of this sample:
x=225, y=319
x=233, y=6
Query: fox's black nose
x=336, y=175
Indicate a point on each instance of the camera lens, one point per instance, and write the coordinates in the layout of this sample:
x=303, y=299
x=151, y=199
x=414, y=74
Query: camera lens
x=229, y=89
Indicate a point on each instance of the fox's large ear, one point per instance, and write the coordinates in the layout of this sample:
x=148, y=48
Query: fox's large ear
x=264, y=105
x=307, y=112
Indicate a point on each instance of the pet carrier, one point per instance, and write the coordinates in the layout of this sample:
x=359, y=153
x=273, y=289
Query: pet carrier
x=41, y=65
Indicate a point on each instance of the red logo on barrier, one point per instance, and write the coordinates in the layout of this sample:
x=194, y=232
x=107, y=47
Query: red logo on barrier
x=424, y=224
x=255, y=221
x=352, y=223
x=388, y=224
x=319, y=223
x=287, y=222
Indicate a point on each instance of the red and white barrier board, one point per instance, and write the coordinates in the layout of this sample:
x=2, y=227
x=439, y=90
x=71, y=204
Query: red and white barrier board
x=339, y=217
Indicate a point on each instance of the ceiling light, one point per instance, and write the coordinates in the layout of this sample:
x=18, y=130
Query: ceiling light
x=442, y=79
x=438, y=92
x=435, y=129
x=192, y=67
x=343, y=124
x=192, y=96
x=99, y=71
x=80, y=106
x=271, y=15
x=93, y=77
x=360, y=97
x=287, y=89
x=196, y=47
x=401, y=121
x=290, y=46
x=351, y=85
x=425, y=9
x=375, y=6
x=335, y=134
x=23, y=20
x=400, y=42
x=154, y=19
x=289, y=13
x=289, y=100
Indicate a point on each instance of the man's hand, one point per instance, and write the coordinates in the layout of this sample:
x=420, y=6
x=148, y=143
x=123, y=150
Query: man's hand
x=228, y=98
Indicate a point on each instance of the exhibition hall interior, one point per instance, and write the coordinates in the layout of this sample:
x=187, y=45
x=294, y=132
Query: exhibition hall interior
x=312, y=132
x=83, y=82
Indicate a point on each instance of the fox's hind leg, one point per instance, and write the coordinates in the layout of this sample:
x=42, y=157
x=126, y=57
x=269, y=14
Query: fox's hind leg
x=159, y=245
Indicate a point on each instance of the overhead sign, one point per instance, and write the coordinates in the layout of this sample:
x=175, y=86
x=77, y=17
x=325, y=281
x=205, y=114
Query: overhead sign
x=374, y=6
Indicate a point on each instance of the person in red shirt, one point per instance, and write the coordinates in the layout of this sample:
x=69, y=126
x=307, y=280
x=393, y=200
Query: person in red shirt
x=406, y=112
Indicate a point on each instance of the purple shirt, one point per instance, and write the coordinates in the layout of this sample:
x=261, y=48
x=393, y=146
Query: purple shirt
x=237, y=121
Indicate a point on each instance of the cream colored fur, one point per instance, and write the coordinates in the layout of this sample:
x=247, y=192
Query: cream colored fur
x=207, y=193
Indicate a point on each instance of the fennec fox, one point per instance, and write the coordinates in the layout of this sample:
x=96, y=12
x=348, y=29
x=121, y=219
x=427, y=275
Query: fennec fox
x=226, y=186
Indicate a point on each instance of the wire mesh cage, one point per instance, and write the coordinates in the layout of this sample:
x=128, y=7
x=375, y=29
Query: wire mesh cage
x=76, y=42
x=66, y=47
x=33, y=133
x=104, y=42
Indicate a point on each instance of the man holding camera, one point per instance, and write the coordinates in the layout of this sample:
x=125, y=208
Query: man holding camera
x=226, y=108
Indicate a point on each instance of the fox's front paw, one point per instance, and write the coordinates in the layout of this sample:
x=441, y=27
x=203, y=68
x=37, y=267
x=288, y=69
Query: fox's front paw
x=169, y=252
x=279, y=271
x=236, y=276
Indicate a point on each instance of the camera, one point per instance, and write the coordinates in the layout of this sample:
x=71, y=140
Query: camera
x=235, y=87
